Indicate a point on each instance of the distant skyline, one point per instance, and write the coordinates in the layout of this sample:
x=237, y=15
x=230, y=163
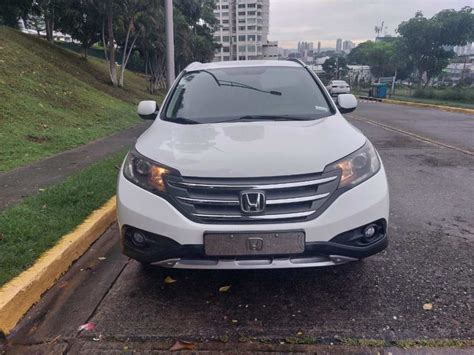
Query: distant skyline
x=292, y=21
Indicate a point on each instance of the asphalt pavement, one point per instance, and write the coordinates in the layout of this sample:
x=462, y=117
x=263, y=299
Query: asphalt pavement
x=378, y=301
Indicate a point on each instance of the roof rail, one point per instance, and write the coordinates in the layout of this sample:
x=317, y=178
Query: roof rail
x=296, y=60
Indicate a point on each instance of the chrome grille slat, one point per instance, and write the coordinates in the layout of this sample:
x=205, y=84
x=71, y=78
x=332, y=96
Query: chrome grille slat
x=297, y=199
x=258, y=217
x=285, y=185
x=210, y=202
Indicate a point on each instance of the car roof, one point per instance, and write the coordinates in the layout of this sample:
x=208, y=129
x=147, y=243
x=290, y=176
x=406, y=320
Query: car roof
x=242, y=64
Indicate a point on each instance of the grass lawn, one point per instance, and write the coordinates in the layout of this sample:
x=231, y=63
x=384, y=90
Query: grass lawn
x=433, y=101
x=52, y=100
x=36, y=224
x=402, y=94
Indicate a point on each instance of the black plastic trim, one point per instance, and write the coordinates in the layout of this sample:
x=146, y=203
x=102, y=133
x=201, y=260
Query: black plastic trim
x=158, y=248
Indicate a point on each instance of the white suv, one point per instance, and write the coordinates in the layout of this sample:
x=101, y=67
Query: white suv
x=250, y=165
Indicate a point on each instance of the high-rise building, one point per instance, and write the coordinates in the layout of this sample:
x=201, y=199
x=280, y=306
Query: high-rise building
x=338, y=45
x=242, y=29
x=347, y=46
x=319, y=47
x=305, y=46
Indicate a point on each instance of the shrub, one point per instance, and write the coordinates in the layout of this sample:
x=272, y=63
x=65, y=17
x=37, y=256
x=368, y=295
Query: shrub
x=447, y=94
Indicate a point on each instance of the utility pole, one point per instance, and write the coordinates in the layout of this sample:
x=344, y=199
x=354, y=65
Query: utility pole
x=170, y=71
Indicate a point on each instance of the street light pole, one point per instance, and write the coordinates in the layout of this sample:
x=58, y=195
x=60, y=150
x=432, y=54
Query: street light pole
x=170, y=71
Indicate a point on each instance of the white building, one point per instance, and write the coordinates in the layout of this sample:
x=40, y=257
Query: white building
x=270, y=50
x=464, y=50
x=359, y=73
x=347, y=46
x=242, y=30
x=455, y=72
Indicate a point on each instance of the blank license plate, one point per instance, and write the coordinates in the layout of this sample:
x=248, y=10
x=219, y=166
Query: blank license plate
x=257, y=243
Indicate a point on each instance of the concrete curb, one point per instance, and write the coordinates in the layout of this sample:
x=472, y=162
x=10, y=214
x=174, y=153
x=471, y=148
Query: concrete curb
x=18, y=295
x=438, y=107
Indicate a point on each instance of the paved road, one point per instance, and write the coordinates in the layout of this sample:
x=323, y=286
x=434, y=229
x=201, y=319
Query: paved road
x=25, y=181
x=429, y=260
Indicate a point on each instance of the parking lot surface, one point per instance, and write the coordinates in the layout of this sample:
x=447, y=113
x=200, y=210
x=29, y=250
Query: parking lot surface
x=429, y=263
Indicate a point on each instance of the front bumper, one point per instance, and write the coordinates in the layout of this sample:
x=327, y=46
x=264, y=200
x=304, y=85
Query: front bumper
x=346, y=247
x=362, y=205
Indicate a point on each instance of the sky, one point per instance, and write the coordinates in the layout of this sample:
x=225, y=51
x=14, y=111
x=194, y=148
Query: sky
x=327, y=20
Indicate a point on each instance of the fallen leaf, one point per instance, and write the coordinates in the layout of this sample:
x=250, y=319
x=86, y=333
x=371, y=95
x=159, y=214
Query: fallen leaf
x=428, y=306
x=41, y=190
x=182, y=345
x=169, y=280
x=1, y=237
x=225, y=288
x=102, y=258
x=87, y=326
x=235, y=321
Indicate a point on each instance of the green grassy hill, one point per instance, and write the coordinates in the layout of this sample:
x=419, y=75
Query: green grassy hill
x=52, y=100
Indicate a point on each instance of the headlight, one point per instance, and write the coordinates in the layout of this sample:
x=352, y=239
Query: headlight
x=357, y=167
x=146, y=173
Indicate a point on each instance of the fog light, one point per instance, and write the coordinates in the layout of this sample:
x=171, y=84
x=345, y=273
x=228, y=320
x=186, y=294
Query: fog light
x=369, y=231
x=138, y=239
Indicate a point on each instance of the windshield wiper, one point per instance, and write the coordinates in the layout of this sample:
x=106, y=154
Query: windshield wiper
x=269, y=118
x=239, y=85
x=181, y=120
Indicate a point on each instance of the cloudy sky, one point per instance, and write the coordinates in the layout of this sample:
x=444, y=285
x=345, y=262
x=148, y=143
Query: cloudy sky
x=326, y=20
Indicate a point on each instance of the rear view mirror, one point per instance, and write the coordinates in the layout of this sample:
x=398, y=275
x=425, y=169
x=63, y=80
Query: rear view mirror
x=147, y=109
x=346, y=103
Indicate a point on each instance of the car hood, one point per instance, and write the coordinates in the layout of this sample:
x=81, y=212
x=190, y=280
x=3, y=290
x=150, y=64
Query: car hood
x=250, y=149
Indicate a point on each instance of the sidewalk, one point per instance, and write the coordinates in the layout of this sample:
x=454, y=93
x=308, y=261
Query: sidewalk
x=27, y=180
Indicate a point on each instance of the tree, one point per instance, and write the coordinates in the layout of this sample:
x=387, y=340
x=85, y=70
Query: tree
x=128, y=32
x=82, y=20
x=11, y=11
x=335, y=67
x=195, y=21
x=108, y=9
x=423, y=40
x=378, y=55
x=50, y=10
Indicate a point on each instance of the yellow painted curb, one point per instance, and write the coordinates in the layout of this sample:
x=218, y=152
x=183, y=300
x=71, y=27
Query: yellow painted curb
x=18, y=295
x=439, y=107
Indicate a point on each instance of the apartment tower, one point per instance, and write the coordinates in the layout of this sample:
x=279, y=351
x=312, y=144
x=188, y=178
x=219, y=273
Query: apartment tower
x=242, y=29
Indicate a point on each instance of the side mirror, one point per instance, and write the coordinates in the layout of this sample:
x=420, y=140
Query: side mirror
x=147, y=109
x=346, y=103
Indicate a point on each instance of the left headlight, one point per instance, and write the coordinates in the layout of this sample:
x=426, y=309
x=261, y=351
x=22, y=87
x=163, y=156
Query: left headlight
x=146, y=173
x=357, y=167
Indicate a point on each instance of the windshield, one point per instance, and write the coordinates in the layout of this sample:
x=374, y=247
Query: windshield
x=230, y=94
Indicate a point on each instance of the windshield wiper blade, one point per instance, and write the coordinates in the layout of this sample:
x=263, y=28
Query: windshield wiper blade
x=239, y=85
x=181, y=120
x=268, y=118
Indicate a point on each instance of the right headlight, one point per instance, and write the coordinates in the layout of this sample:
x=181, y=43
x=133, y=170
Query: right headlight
x=146, y=173
x=357, y=167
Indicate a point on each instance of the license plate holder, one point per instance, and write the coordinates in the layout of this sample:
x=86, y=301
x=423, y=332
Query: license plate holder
x=254, y=243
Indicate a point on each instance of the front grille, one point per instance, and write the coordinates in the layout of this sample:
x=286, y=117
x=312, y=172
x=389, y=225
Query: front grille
x=217, y=200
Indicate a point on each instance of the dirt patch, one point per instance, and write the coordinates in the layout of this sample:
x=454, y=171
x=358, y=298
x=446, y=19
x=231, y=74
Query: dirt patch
x=38, y=139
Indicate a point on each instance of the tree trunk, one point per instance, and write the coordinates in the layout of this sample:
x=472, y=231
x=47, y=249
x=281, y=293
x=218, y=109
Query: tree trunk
x=111, y=43
x=124, y=52
x=49, y=24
